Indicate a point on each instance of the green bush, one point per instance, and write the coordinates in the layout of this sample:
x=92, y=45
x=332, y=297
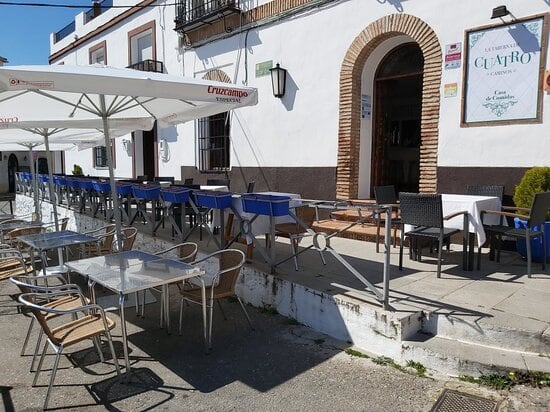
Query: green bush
x=535, y=180
x=77, y=170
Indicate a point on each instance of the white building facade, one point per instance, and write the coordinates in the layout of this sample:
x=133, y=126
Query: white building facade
x=420, y=94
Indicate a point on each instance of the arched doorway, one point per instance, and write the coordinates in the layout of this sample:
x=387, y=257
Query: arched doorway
x=397, y=118
x=13, y=165
x=349, y=123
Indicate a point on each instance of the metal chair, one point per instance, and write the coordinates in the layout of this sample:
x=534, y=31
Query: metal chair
x=295, y=231
x=105, y=236
x=536, y=217
x=220, y=284
x=186, y=252
x=218, y=182
x=487, y=190
x=129, y=235
x=386, y=196
x=45, y=284
x=424, y=212
x=93, y=324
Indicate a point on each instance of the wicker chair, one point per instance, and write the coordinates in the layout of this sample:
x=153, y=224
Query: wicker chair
x=186, y=252
x=487, y=190
x=536, y=217
x=93, y=324
x=12, y=263
x=386, y=196
x=11, y=237
x=219, y=285
x=425, y=213
x=294, y=231
x=45, y=284
x=105, y=236
x=129, y=235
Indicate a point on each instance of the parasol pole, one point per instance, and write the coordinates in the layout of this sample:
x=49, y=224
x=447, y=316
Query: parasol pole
x=114, y=197
x=35, y=183
x=46, y=135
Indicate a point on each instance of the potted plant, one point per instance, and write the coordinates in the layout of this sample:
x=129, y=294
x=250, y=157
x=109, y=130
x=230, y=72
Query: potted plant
x=77, y=170
x=535, y=180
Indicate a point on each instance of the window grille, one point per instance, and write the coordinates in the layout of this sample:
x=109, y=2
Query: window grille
x=100, y=156
x=213, y=143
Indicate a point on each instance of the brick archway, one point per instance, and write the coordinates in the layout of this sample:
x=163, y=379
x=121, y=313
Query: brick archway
x=347, y=176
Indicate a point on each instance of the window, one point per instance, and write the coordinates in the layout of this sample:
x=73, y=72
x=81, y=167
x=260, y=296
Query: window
x=98, y=53
x=100, y=156
x=141, y=44
x=213, y=142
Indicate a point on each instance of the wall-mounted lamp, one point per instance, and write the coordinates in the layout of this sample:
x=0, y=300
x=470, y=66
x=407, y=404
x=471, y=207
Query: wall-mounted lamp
x=127, y=146
x=499, y=11
x=164, y=150
x=278, y=80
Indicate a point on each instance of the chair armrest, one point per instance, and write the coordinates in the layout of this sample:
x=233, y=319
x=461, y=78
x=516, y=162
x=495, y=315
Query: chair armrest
x=502, y=213
x=455, y=214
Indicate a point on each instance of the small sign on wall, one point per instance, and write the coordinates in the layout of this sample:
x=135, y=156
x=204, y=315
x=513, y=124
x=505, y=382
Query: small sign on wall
x=450, y=90
x=547, y=81
x=453, y=55
x=366, y=106
x=262, y=68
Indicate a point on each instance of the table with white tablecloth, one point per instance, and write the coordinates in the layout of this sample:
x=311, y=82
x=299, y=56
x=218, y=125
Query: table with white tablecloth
x=473, y=205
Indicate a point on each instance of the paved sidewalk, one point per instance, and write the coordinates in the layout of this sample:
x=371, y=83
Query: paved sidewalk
x=278, y=367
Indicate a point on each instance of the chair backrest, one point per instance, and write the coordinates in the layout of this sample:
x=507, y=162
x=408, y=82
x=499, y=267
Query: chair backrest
x=188, y=181
x=385, y=195
x=306, y=214
x=217, y=182
x=129, y=235
x=539, y=209
x=486, y=190
x=22, y=231
x=63, y=223
x=250, y=187
x=169, y=179
x=107, y=239
x=187, y=252
x=231, y=262
x=421, y=209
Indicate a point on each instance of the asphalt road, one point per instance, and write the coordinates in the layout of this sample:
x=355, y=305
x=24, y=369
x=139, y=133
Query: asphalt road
x=280, y=366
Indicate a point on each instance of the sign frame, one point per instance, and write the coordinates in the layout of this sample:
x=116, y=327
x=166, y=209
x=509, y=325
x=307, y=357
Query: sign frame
x=465, y=72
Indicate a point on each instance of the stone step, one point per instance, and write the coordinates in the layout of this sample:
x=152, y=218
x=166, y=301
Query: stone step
x=365, y=231
x=496, y=329
x=455, y=358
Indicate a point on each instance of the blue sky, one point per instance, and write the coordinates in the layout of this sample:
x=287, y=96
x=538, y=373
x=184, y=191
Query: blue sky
x=25, y=31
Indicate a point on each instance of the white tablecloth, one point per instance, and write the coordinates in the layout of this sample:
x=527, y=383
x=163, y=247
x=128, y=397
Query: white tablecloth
x=260, y=226
x=473, y=205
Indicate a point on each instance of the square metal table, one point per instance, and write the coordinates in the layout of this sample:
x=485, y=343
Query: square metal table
x=42, y=242
x=134, y=271
x=6, y=227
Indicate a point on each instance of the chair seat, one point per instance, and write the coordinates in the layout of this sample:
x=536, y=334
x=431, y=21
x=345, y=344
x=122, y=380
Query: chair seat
x=195, y=294
x=431, y=232
x=510, y=231
x=78, y=330
x=15, y=271
x=286, y=229
x=64, y=303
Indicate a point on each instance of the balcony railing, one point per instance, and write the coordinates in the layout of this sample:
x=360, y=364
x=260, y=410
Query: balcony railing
x=64, y=32
x=148, y=66
x=98, y=8
x=191, y=14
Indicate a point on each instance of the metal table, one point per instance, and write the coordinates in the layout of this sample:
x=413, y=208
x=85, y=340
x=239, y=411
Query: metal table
x=43, y=242
x=134, y=271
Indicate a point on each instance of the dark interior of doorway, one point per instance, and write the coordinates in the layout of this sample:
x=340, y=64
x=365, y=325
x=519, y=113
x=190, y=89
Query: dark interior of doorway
x=149, y=154
x=13, y=166
x=398, y=107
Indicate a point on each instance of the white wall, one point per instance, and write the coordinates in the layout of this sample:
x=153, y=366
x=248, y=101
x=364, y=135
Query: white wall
x=302, y=128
